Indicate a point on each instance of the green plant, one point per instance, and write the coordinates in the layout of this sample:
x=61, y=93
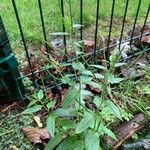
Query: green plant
x=83, y=115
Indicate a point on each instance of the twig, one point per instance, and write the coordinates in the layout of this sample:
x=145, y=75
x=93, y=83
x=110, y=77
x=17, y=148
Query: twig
x=127, y=137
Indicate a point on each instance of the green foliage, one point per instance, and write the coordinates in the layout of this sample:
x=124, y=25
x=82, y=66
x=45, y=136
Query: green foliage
x=40, y=95
x=11, y=131
x=92, y=140
x=76, y=119
x=51, y=105
x=112, y=79
x=54, y=142
x=109, y=132
x=33, y=109
x=85, y=123
x=51, y=125
x=71, y=96
x=113, y=108
x=72, y=142
x=74, y=126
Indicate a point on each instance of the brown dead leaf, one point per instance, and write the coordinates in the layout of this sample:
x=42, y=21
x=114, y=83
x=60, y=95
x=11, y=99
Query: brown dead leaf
x=36, y=135
x=89, y=45
x=38, y=121
x=14, y=147
x=146, y=40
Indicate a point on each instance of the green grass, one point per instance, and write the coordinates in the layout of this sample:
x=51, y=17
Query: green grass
x=30, y=17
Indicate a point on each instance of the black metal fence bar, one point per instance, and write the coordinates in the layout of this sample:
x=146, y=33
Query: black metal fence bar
x=43, y=26
x=134, y=25
x=123, y=24
x=145, y=21
x=23, y=40
x=96, y=30
x=71, y=19
x=110, y=28
x=63, y=24
x=81, y=20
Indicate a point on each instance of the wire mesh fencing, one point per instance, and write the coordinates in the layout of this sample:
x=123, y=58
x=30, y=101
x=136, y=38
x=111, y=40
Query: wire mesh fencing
x=75, y=31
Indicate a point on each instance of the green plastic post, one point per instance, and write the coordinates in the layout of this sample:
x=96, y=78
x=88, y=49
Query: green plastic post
x=10, y=87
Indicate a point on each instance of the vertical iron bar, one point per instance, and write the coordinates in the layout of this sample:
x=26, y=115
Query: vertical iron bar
x=145, y=22
x=137, y=13
x=96, y=30
x=23, y=40
x=63, y=25
x=110, y=28
x=124, y=18
x=81, y=20
x=71, y=19
x=43, y=25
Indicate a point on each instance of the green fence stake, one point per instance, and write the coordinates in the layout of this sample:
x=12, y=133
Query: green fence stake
x=10, y=87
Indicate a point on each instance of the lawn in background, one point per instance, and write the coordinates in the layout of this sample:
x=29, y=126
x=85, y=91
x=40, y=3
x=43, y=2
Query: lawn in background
x=30, y=17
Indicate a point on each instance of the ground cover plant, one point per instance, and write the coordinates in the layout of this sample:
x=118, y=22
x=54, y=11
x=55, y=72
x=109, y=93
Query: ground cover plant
x=89, y=100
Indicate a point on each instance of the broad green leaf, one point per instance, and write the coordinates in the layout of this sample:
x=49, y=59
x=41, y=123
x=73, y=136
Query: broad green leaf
x=113, y=108
x=92, y=140
x=87, y=72
x=99, y=76
x=51, y=104
x=70, y=97
x=32, y=109
x=119, y=64
x=78, y=66
x=67, y=80
x=99, y=67
x=53, y=142
x=112, y=79
x=85, y=94
x=117, y=80
x=51, y=125
x=95, y=85
x=85, y=79
x=67, y=123
x=62, y=112
x=109, y=133
x=71, y=143
x=40, y=94
x=113, y=58
x=98, y=101
x=32, y=103
x=86, y=122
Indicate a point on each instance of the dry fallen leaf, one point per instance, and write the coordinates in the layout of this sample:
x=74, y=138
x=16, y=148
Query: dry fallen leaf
x=14, y=147
x=146, y=40
x=36, y=135
x=89, y=45
x=38, y=121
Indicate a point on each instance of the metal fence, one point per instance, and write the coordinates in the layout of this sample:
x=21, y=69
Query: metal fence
x=96, y=51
